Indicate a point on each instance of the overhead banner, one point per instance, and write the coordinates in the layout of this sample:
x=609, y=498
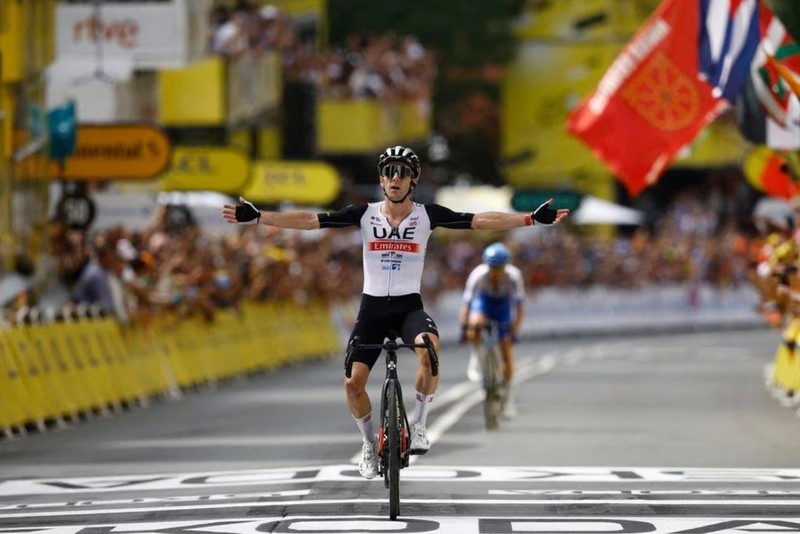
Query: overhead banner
x=221, y=169
x=116, y=152
x=651, y=102
x=152, y=34
x=308, y=183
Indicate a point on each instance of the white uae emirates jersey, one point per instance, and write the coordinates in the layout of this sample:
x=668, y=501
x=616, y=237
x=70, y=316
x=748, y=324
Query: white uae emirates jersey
x=394, y=257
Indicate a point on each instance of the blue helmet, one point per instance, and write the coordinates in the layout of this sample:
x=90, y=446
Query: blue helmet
x=496, y=255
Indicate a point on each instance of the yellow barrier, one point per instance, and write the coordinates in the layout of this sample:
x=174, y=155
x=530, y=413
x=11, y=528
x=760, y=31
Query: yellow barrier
x=17, y=407
x=53, y=370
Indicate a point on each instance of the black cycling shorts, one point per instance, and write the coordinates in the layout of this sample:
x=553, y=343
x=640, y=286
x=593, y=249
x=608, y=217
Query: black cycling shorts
x=377, y=316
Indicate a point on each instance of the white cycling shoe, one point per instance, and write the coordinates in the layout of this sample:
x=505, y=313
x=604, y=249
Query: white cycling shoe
x=419, y=439
x=368, y=466
x=510, y=409
x=474, y=373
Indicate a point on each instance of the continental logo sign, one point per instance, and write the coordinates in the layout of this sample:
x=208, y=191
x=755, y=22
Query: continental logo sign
x=117, y=152
x=311, y=183
x=221, y=169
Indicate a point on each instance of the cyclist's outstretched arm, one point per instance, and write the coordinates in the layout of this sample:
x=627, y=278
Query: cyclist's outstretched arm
x=300, y=220
x=247, y=212
x=497, y=220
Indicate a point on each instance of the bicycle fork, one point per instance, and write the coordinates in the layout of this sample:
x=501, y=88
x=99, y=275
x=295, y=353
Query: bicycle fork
x=404, y=426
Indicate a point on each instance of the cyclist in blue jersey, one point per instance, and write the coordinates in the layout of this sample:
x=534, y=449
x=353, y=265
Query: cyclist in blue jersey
x=395, y=234
x=494, y=292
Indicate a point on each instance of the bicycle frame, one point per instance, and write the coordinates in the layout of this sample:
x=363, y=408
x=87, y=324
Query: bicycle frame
x=393, y=442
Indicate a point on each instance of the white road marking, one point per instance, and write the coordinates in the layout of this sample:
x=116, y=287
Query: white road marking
x=234, y=441
x=382, y=500
x=348, y=473
x=440, y=524
x=466, y=395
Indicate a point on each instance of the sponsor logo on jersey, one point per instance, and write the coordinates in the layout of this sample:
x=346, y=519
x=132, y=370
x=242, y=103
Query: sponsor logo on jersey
x=383, y=245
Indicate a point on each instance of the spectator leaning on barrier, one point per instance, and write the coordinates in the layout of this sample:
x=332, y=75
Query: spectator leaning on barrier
x=395, y=234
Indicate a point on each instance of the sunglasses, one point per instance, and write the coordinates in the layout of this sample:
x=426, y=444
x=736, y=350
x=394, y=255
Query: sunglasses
x=401, y=170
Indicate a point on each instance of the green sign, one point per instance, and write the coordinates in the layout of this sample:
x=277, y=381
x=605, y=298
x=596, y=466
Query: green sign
x=529, y=200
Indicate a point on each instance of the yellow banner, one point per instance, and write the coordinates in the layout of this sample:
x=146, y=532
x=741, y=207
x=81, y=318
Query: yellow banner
x=221, y=169
x=535, y=143
x=301, y=182
x=130, y=151
x=295, y=7
x=193, y=95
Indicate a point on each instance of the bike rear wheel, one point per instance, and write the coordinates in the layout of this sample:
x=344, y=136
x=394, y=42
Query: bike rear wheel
x=393, y=422
x=493, y=401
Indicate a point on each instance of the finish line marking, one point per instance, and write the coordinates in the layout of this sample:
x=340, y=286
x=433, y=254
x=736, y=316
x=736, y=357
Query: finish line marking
x=485, y=502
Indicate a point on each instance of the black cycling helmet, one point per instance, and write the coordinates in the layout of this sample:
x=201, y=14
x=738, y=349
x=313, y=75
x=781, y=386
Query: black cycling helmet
x=400, y=154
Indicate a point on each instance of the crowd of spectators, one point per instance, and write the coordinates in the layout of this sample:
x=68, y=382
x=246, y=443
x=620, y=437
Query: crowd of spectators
x=364, y=66
x=186, y=271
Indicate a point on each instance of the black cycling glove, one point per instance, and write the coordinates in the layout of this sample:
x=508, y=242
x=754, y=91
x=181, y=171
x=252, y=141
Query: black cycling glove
x=246, y=212
x=544, y=214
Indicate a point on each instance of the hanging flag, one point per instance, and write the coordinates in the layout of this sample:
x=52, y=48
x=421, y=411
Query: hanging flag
x=651, y=102
x=760, y=128
x=768, y=111
x=729, y=37
x=776, y=45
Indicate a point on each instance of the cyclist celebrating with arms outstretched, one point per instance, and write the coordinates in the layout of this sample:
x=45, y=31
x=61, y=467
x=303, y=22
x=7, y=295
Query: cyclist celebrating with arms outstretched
x=395, y=234
x=494, y=291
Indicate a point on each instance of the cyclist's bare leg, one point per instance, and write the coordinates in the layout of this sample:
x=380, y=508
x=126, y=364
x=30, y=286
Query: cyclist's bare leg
x=507, y=350
x=475, y=325
x=426, y=383
x=361, y=408
x=355, y=389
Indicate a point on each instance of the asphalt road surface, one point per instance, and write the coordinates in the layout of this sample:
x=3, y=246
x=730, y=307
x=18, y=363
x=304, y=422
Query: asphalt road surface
x=629, y=434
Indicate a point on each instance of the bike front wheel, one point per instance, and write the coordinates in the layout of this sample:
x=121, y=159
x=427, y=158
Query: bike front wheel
x=493, y=401
x=393, y=422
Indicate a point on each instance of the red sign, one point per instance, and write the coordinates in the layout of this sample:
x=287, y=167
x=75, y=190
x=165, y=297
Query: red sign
x=651, y=102
x=393, y=245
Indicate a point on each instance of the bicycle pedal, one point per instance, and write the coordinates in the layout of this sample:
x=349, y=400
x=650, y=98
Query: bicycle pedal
x=419, y=452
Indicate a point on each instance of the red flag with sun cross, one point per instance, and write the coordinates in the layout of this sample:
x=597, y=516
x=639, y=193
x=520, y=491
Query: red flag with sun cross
x=651, y=102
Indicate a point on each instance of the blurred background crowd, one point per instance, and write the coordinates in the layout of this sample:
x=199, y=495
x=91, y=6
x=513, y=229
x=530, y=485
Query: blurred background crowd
x=184, y=270
x=364, y=65
x=465, y=84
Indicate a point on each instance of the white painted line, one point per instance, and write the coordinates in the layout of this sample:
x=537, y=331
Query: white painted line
x=620, y=476
x=437, y=523
x=318, y=502
x=236, y=441
x=175, y=499
x=465, y=395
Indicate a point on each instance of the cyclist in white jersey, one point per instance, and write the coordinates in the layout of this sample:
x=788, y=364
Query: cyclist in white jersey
x=395, y=234
x=494, y=291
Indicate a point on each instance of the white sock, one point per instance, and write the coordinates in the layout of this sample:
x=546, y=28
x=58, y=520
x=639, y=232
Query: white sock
x=366, y=428
x=473, y=351
x=507, y=386
x=422, y=407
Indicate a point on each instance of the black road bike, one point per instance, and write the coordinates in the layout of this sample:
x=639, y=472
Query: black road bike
x=394, y=435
